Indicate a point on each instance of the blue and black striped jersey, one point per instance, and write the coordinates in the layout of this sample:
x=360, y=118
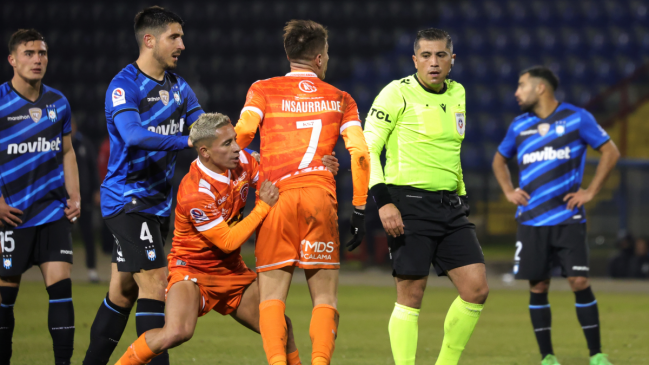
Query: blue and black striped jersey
x=551, y=155
x=31, y=153
x=145, y=120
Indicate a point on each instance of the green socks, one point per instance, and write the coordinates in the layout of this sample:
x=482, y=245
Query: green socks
x=458, y=327
x=404, y=331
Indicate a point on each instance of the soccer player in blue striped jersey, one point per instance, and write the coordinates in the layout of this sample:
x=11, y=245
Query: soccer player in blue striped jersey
x=549, y=142
x=147, y=110
x=39, y=181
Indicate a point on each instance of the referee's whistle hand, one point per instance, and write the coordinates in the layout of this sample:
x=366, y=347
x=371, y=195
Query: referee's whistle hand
x=391, y=219
x=518, y=196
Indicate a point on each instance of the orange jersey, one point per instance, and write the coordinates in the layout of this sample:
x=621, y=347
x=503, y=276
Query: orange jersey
x=209, y=229
x=300, y=118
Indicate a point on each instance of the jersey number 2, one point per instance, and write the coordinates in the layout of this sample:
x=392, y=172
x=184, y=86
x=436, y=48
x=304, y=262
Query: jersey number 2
x=316, y=124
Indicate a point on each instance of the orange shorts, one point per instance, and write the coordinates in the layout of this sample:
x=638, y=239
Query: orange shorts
x=300, y=230
x=221, y=293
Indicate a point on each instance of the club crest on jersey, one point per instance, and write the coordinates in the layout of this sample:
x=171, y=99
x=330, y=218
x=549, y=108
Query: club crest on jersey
x=36, y=114
x=7, y=262
x=198, y=215
x=164, y=97
x=119, y=97
x=177, y=97
x=150, y=254
x=460, y=123
x=307, y=86
x=544, y=128
x=51, y=112
x=560, y=127
x=244, y=193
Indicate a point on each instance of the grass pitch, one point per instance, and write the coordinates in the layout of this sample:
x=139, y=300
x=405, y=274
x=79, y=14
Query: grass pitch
x=503, y=335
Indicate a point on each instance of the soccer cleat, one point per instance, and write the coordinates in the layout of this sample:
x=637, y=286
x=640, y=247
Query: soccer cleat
x=600, y=359
x=551, y=360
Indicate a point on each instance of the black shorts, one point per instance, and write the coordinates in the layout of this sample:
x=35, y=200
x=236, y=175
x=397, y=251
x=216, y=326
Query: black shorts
x=24, y=247
x=139, y=240
x=538, y=249
x=437, y=231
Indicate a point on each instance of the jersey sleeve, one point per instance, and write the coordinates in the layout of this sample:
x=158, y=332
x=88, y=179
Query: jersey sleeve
x=379, y=124
x=67, y=119
x=194, y=109
x=591, y=132
x=251, y=116
x=507, y=147
x=196, y=208
x=352, y=133
x=121, y=96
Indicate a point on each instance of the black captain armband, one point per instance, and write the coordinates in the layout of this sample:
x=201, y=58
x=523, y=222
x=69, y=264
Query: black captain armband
x=381, y=195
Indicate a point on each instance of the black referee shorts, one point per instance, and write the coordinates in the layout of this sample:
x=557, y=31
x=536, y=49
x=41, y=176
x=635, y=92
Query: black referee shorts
x=437, y=231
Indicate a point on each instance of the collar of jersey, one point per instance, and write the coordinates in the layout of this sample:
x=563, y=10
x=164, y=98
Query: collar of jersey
x=302, y=74
x=164, y=78
x=40, y=93
x=212, y=174
x=429, y=90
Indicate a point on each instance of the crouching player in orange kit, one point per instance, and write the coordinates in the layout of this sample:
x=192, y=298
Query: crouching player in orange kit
x=300, y=118
x=206, y=271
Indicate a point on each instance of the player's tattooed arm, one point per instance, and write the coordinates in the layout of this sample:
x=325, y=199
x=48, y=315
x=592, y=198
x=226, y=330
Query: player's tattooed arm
x=8, y=214
x=71, y=176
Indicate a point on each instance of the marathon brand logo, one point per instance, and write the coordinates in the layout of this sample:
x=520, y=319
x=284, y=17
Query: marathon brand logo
x=168, y=129
x=380, y=115
x=18, y=118
x=310, y=106
x=66, y=252
x=529, y=132
x=547, y=154
x=316, y=250
x=581, y=268
x=40, y=145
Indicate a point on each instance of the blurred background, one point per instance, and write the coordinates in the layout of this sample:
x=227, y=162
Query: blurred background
x=598, y=48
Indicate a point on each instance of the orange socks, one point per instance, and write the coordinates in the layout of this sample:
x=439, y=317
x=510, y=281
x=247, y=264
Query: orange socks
x=294, y=358
x=138, y=353
x=323, y=330
x=273, y=330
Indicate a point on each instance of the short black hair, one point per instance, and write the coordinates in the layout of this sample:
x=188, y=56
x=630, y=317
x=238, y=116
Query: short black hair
x=544, y=73
x=154, y=18
x=22, y=36
x=434, y=34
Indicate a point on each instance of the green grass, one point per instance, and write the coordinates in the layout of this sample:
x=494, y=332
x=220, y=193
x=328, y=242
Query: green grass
x=503, y=335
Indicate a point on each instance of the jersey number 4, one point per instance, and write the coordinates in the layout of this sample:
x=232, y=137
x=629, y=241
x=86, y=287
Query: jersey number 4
x=145, y=234
x=316, y=126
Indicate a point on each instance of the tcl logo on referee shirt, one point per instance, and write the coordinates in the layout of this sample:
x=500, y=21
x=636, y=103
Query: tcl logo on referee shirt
x=548, y=153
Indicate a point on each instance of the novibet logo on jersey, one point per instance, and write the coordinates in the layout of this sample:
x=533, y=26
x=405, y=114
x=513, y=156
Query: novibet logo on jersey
x=40, y=145
x=547, y=154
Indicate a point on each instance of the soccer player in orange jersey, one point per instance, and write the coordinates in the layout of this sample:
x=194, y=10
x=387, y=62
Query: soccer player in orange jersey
x=300, y=118
x=206, y=271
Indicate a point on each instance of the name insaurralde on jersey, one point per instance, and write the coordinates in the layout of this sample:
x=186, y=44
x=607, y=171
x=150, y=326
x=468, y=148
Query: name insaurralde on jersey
x=551, y=154
x=31, y=153
x=138, y=179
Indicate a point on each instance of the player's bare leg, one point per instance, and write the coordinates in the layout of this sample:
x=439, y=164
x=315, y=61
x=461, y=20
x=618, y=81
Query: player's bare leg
x=183, y=302
x=123, y=289
x=248, y=315
x=152, y=283
x=273, y=290
x=410, y=290
x=323, y=286
x=588, y=315
x=462, y=317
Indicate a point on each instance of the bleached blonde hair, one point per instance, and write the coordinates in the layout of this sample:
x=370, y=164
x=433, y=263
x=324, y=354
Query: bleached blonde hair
x=205, y=127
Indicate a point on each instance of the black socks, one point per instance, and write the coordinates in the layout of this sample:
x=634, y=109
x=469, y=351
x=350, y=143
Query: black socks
x=150, y=314
x=61, y=320
x=542, y=322
x=7, y=322
x=588, y=316
x=106, y=330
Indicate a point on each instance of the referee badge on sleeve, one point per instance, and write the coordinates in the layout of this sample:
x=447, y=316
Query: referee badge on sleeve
x=460, y=123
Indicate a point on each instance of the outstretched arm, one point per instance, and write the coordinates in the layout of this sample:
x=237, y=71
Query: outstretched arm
x=130, y=127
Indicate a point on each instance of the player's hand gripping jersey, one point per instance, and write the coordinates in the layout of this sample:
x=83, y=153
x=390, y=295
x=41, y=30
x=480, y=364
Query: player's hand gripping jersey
x=209, y=232
x=300, y=118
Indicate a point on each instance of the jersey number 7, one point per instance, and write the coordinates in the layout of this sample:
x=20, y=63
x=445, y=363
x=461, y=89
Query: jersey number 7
x=316, y=124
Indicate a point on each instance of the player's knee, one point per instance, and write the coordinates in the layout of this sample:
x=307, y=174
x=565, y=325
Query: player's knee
x=179, y=336
x=578, y=283
x=477, y=294
x=540, y=287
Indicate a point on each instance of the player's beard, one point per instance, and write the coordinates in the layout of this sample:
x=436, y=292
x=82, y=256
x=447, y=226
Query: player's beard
x=528, y=107
x=162, y=60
